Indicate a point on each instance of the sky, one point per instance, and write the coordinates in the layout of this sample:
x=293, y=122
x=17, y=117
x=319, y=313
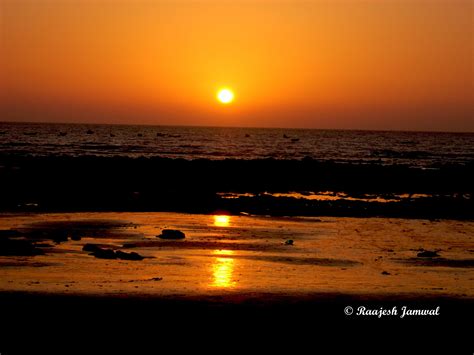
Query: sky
x=343, y=64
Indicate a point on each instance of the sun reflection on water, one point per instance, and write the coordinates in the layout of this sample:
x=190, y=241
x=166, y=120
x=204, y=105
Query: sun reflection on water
x=223, y=269
x=221, y=221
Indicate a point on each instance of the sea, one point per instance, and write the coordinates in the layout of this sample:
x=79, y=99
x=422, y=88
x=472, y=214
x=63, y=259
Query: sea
x=417, y=149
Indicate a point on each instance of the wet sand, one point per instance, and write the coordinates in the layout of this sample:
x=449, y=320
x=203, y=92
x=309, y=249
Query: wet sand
x=230, y=275
x=239, y=255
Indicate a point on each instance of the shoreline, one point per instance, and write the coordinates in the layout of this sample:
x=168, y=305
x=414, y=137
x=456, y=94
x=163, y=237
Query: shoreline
x=261, y=299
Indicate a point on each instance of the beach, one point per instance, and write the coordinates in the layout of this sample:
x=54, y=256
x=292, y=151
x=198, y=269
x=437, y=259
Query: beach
x=232, y=269
x=240, y=255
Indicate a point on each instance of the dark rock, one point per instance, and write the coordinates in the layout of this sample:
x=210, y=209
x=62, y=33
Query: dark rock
x=385, y=273
x=171, y=234
x=18, y=247
x=428, y=254
x=128, y=256
x=76, y=237
x=58, y=236
x=89, y=131
x=105, y=254
x=156, y=279
x=289, y=242
x=90, y=247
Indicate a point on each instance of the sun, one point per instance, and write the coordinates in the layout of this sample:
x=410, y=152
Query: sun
x=225, y=96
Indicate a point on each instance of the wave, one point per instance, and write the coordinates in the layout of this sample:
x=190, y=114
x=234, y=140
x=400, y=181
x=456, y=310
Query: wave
x=409, y=148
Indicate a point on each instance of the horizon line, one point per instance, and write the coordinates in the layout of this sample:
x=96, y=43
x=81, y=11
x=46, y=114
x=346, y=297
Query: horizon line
x=239, y=127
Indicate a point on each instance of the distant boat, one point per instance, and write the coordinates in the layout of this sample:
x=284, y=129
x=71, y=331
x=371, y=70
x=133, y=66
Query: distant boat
x=285, y=136
x=89, y=131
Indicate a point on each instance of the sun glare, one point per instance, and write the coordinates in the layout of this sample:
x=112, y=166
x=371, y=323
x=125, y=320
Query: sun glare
x=225, y=96
x=221, y=221
x=223, y=269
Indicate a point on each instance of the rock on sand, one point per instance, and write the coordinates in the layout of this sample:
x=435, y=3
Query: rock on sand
x=171, y=234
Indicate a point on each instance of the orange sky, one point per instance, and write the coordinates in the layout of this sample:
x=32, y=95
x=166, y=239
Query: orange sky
x=373, y=64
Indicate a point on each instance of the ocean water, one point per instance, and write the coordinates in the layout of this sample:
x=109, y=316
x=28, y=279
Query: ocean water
x=419, y=149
